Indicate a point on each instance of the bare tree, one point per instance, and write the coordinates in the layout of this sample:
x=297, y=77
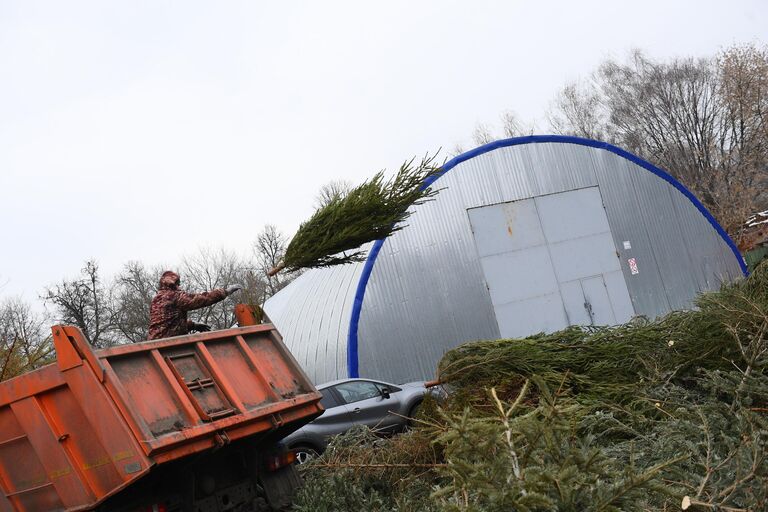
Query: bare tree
x=208, y=269
x=332, y=190
x=482, y=134
x=743, y=77
x=83, y=303
x=119, y=312
x=268, y=251
x=510, y=126
x=25, y=341
x=669, y=112
x=456, y=150
x=132, y=293
x=577, y=111
x=703, y=120
x=513, y=127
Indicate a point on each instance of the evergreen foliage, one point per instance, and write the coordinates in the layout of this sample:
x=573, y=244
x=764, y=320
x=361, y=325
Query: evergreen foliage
x=663, y=415
x=349, y=219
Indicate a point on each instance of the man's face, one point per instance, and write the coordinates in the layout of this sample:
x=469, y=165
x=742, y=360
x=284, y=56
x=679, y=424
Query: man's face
x=171, y=280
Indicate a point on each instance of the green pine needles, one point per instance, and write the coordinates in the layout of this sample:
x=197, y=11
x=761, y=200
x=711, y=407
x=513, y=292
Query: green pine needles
x=371, y=211
x=650, y=416
x=727, y=330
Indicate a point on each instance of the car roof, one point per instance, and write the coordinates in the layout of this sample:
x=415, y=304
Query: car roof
x=339, y=381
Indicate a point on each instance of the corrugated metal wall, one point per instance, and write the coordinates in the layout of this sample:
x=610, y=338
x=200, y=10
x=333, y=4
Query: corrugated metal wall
x=312, y=314
x=428, y=281
x=427, y=292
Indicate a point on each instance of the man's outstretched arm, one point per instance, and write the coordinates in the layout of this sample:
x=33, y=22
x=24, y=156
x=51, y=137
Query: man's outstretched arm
x=189, y=301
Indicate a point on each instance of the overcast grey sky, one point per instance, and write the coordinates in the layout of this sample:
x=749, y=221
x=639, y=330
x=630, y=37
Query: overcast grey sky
x=144, y=130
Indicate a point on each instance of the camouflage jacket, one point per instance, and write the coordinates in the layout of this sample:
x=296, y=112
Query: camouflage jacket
x=168, y=312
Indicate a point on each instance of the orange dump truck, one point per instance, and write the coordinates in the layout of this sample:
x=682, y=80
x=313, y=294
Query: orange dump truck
x=191, y=423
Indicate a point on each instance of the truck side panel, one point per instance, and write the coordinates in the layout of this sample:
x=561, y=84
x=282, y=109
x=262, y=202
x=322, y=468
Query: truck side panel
x=189, y=388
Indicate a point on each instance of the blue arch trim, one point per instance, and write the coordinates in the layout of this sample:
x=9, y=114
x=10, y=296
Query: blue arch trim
x=353, y=369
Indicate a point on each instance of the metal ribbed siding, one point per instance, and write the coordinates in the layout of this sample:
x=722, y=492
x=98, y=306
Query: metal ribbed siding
x=414, y=311
x=427, y=292
x=312, y=314
x=614, y=175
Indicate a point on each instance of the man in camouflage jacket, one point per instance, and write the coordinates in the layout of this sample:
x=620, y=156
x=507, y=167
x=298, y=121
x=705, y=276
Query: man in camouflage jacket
x=168, y=312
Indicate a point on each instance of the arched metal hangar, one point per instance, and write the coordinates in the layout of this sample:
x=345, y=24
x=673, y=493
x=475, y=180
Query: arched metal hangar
x=526, y=235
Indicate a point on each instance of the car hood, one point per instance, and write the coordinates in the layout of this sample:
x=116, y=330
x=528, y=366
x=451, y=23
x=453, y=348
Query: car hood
x=415, y=384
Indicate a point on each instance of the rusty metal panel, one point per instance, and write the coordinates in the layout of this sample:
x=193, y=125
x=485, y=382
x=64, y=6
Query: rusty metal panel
x=77, y=437
x=25, y=480
x=182, y=389
x=141, y=378
x=252, y=388
x=71, y=490
x=74, y=443
x=75, y=446
x=276, y=368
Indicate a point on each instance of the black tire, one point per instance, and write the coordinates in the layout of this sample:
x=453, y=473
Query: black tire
x=305, y=453
x=413, y=412
x=261, y=505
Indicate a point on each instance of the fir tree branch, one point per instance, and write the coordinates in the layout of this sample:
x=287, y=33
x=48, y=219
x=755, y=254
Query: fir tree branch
x=348, y=220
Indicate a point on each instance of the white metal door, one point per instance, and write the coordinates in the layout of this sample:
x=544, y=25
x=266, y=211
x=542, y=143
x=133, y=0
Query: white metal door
x=550, y=262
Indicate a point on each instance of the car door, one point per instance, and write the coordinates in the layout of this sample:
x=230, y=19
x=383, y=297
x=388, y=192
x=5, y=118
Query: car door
x=366, y=404
x=335, y=419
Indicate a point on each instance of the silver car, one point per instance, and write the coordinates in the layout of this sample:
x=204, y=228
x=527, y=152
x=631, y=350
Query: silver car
x=384, y=407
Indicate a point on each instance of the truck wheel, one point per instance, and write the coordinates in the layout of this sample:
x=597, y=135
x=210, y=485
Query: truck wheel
x=280, y=486
x=261, y=505
x=305, y=453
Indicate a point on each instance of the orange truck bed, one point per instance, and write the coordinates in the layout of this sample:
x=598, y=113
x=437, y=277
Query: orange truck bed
x=82, y=429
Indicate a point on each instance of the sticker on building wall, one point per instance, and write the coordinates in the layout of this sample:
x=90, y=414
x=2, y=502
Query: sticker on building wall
x=633, y=266
x=627, y=245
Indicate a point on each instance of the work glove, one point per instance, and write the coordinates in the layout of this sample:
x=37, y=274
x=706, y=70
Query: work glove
x=233, y=288
x=201, y=328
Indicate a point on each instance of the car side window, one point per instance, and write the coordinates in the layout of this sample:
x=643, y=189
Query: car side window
x=357, y=390
x=329, y=399
x=391, y=388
